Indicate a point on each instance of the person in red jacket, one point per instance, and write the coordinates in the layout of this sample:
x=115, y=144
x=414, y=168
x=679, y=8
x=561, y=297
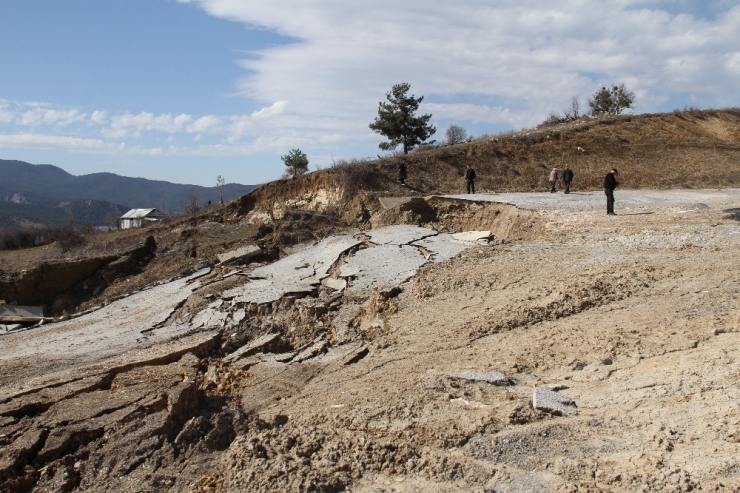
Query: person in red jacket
x=610, y=183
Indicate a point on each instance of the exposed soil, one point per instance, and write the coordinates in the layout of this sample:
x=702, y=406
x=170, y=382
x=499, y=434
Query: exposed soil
x=634, y=316
x=175, y=384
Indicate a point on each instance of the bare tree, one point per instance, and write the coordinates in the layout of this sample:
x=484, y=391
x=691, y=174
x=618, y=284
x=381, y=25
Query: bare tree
x=456, y=134
x=191, y=206
x=220, y=184
x=572, y=112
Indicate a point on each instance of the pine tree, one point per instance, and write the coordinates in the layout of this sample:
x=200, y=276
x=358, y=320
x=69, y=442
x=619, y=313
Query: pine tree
x=297, y=161
x=611, y=101
x=397, y=121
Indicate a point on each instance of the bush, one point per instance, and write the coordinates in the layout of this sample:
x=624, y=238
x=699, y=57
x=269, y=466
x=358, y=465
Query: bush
x=67, y=237
x=456, y=134
x=611, y=101
x=355, y=174
x=14, y=239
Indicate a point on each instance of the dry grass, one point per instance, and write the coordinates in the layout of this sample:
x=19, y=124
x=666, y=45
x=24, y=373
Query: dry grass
x=688, y=149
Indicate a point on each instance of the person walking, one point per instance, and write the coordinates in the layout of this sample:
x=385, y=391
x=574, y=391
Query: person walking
x=567, y=178
x=402, y=172
x=470, y=178
x=553, y=179
x=610, y=183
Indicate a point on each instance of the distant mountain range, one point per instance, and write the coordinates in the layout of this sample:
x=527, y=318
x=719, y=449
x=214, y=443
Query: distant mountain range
x=46, y=194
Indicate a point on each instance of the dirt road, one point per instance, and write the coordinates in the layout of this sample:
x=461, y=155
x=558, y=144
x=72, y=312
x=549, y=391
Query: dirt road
x=634, y=317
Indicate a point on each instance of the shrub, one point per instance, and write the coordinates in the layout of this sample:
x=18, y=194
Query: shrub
x=456, y=134
x=355, y=174
x=14, y=239
x=611, y=101
x=67, y=237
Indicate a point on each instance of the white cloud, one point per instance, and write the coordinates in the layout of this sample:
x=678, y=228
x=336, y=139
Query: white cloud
x=205, y=124
x=99, y=117
x=50, y=116
x=523, y=53
x=43, y=141
x=127, y=123
x=475, y=113
x=272, y=110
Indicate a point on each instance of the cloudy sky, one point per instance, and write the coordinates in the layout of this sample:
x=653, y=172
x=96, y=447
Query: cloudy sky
x=188, y=90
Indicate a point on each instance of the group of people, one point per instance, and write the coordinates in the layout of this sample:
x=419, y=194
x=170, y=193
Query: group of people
x=610, y=182
x=567, y=177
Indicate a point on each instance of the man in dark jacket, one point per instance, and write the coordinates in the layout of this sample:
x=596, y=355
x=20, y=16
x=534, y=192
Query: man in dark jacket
x=470, y=179
x=610, y=183
x=402, y=172
x=567, y=178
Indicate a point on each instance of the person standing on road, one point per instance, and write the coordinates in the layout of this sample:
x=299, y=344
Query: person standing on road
x=402, y=172
x=610, y=183
x=567, y=178
x=470, y=178
x=553, y=179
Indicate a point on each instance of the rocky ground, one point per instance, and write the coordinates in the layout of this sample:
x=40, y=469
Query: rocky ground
x=358, y=378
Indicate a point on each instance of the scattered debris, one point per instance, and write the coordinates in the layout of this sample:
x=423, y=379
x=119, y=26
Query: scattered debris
x=15, y=314
x=239, y=254
x=492, y=377
x=253, y=347
x=553, y=402
x=483, y=237
x=556, y=386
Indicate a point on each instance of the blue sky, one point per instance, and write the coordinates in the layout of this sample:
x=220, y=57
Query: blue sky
x=185, y=91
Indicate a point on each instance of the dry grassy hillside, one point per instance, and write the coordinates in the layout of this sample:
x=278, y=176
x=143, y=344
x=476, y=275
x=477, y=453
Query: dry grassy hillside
x=691, y=149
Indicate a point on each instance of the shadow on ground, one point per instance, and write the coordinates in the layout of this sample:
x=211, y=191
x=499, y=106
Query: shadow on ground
x=733, y=214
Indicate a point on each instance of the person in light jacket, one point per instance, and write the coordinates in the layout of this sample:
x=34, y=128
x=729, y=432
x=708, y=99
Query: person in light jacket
x=553, y=179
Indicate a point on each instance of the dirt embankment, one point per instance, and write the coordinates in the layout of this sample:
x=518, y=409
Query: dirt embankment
x=634, y=317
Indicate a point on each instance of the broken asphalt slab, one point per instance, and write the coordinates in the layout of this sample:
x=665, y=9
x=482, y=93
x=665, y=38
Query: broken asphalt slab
x=297, y=273
x=492, y=377
x=107, y=332
x=553, y=402
x=239, y=254
x=12, y=314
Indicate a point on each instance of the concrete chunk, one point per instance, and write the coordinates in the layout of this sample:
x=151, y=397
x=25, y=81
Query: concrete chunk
x=381, y=266
x=492, y=377
x=335, y=284
x=253, y=347
x=242, y=253
x=473, y=236
x=401, y=234
x=313, y=350
x=442, y=246
x=297, y=273
x=553, y=402
x=19, y=313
